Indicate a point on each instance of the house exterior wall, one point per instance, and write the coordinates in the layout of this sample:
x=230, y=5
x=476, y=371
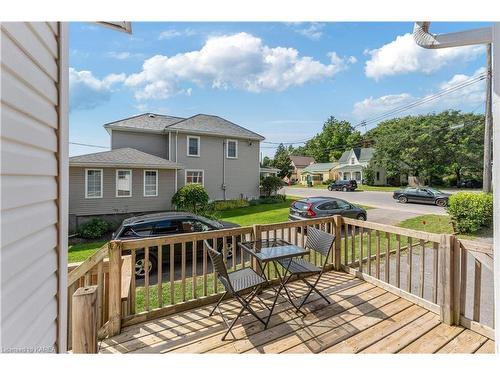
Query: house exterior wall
x=241, y=174
x=109, y=204
x=150, y=143
x=33, y=178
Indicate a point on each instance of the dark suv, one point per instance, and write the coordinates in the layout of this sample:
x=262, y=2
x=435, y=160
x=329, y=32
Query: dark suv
x=344, y=185
x=166, y=224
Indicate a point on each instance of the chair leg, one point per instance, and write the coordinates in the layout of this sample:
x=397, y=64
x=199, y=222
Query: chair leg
x=217, y=304
x=311, y=288
x=232, y=323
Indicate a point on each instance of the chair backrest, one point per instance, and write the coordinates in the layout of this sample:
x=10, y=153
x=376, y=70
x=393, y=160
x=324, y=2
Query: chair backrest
x=217, y=261
x=319, y=241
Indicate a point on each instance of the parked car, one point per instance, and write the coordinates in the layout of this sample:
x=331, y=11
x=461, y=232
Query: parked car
x=314, y=207
x=469, y=184
x=167, y=224
x=422, y=195
x=344, y=185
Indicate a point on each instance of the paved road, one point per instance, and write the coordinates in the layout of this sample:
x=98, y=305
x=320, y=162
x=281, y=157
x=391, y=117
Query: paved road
x=376, y=199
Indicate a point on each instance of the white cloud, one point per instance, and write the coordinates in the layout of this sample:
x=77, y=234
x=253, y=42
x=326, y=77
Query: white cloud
x=87, y=91
x=467, y=98
x=403, y=55
x=313, y=31
x=173, y=33
x=123, y=55
x=240, y=61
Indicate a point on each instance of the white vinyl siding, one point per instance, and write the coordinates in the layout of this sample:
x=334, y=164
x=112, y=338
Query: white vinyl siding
x=150, y=183
x=195, y=176
x=32, y=142
x=193, y=145
x=123, y=182
x=93, y=183
x=232, y=149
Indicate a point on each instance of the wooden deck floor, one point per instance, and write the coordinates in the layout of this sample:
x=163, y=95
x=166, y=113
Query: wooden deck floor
x=361, y=318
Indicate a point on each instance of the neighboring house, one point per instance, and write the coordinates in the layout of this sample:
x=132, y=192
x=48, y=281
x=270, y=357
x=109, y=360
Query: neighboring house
x=319, y=172
x=116, y=182
x=298, y=164
x=203, y=149
x=268, y=171
x=352, y=163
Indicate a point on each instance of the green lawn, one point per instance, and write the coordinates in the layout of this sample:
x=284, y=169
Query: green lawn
x=429, y=223
x=81, y=251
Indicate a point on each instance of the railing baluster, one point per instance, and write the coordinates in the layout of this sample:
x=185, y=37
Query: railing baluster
x=160, y=275
x=353, y=245
x=205, y=271
x=172, y=274
x=435, y=272
x=398, y=261
x=387, y=257
x=100, y=287
x=422, y=268
x=377, y=270
x=361, y=230
x=194, y=277
x=409, y=262
x=234, y=246
x=146, y=278
x=477, y=291
x=183, y=271
x=346, y=244
x=214, y=273
x=369, y=264
x=289, y=234
x=463, y=278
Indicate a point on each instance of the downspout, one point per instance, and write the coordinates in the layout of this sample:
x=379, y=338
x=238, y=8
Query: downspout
x=223, y=169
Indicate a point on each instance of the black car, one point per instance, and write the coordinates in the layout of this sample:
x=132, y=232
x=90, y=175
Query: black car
x=314, y=207
x=422, y=195
x=470, y=184
x=344, y=185
x=166, y=224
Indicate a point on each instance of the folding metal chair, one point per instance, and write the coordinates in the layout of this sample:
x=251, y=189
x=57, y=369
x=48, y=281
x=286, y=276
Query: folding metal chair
x=322, y=243
x=235, y=284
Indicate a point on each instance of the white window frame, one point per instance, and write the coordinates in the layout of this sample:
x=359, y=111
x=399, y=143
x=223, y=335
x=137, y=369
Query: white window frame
x=227, y=148
x=194, y=170
x=116, y=183
x=86, y=182
x=144, y=182
x=187, y=146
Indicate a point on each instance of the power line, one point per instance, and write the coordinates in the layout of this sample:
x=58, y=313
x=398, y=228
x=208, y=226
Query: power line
x=88, y=145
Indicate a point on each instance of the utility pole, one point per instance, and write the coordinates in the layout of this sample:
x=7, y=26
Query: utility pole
x=488, y=127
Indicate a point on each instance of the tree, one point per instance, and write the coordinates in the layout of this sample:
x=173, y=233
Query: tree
x=282, y=161
x=266, y=162
x=271, y=184
x=335, y=138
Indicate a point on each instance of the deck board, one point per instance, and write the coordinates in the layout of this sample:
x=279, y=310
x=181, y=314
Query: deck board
x=361, y=318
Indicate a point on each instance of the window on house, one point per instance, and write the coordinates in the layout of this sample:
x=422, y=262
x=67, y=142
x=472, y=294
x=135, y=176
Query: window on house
x=353, y=160
x=150, y=183
x=193, y=146
x=232, y=149
x=194, y=177
x=378, y=176
x=93, y=183
x=123, y=183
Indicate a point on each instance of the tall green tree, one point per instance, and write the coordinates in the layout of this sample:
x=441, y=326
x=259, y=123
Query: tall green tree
x=266, y=161
x=282, y=161
x=335, y=137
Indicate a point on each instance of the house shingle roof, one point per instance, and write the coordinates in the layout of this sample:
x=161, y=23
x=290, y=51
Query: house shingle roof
x=320, y=167
x=302, y=161
x=122, y=157
x=198, y=124
x=362, y=154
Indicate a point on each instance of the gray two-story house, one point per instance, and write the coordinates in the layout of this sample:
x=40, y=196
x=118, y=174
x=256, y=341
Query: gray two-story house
x=153, y=155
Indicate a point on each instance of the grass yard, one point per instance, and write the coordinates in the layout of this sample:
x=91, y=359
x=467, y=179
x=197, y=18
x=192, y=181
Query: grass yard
x=81, y=251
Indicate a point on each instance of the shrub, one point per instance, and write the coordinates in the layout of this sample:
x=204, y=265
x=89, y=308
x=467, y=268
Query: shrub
x=271, y=184
x=278, y=198
x=369, y=175
x=193, y=198
x=94, y=228
x=230, y=204
x=470, y=211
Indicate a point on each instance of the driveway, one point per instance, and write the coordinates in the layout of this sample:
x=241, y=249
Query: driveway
x=377, y=199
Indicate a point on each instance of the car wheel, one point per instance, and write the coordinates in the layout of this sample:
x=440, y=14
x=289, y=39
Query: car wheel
x=344, y=188
x=441, y=202
x=140, y=266
x=330, y=188
x=361, y=217
x=403, y=199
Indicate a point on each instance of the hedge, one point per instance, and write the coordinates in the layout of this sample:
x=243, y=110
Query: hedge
x=470, y=211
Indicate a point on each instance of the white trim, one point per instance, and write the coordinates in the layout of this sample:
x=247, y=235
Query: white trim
x=187, y=146
x=169, y=146
x=63, y=188
x=116, y=183
x=227, y=148
x=86, y=187
x=144, y=183
x=194, y=170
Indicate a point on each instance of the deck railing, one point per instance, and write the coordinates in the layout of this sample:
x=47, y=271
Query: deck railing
x=425, y=268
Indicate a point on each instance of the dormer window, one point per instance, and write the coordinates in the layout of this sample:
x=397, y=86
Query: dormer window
x=353, y=160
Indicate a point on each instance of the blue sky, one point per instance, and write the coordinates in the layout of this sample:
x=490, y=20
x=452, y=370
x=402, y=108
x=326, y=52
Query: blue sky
x=282, y=80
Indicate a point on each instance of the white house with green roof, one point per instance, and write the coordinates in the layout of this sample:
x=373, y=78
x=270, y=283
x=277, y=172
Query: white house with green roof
x=319, y=172
x=352, y=163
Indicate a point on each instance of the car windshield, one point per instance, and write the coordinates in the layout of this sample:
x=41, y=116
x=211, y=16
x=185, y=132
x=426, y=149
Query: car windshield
x=435, y=191
x=211, y=222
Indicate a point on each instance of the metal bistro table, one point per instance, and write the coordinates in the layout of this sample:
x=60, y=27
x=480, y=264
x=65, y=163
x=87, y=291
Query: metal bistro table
x=272, y=250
